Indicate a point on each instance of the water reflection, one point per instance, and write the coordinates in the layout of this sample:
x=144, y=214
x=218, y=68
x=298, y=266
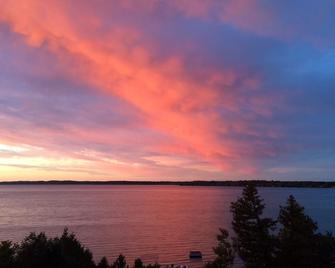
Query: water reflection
x=156, y=223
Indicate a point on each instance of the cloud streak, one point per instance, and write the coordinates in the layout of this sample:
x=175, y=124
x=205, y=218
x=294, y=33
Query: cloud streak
x=99, y=78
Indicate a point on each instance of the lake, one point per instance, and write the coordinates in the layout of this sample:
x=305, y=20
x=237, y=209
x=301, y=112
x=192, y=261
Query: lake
x=156, y=223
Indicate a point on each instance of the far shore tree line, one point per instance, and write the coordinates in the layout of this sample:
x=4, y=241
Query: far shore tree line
x=290, y=241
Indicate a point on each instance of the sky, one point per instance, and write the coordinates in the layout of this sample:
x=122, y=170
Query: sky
x=167, y=90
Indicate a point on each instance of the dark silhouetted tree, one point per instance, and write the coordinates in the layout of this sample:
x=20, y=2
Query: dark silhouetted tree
x=254, y=242
x=35, y=251
x=138, y=263
x=224, y=252
x=299, y=243
x=120, y=262
x=7, y=254
x=71, y=253
x=326, y=250
x=155, y=265
x=103, y=263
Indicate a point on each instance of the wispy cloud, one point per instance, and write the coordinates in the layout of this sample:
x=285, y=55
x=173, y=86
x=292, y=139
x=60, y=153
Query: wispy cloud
x=153, y=88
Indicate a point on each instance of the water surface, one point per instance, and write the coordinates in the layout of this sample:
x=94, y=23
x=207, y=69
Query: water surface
x=156, y=223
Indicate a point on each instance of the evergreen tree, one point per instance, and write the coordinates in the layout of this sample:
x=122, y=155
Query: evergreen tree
x=71, y=253
x=120, y=262
x=35, y=251
x=299, y=244
x=224, y=252
x=103, y=263
x=7, y=253
x=326, y=250
x=138, y=263
x=155, y=265
x=254, y=242
x=38, y=251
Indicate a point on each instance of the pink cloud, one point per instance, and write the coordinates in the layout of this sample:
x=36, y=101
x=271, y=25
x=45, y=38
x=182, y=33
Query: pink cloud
x=169, y=97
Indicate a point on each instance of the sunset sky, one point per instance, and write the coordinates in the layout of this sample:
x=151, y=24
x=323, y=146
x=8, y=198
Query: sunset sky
x=167, y=90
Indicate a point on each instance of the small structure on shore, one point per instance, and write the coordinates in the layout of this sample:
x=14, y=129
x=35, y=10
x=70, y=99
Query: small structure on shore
x=195, y=254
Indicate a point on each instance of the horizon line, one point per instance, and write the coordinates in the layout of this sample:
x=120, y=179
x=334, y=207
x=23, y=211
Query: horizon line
x=238, y=183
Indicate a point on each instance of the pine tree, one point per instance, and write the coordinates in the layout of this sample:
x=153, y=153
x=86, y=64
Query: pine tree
x=254, y=242
x=7, y=253
x=120, y=262
x=326, y=250
x=103, y=263
x=138, y=263
x=299, y=243
x=224, y=252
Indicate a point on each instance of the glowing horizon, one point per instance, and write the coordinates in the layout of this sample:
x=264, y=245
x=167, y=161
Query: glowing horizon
x=173, y=90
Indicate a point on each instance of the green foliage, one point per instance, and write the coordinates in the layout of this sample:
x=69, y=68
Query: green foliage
x=224, y=252
x=254, y=242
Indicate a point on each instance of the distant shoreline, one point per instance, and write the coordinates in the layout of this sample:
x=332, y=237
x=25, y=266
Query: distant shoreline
x=239, y=183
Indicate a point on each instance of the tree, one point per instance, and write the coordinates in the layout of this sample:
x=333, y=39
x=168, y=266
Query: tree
x=38, y=251
x=103, y=263
x=299, y=243
x=155, y=265
x=71, y=253
x=326, y=250
x=138, y=263
x=224, y=252
x=35, y=251
x=254, y=242
x=120, y=262
x=7, y=253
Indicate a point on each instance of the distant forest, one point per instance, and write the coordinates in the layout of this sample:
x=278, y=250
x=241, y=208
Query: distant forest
x=240, y=183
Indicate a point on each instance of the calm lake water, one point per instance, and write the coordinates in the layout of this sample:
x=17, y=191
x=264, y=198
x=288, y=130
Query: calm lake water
x=156, y=223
